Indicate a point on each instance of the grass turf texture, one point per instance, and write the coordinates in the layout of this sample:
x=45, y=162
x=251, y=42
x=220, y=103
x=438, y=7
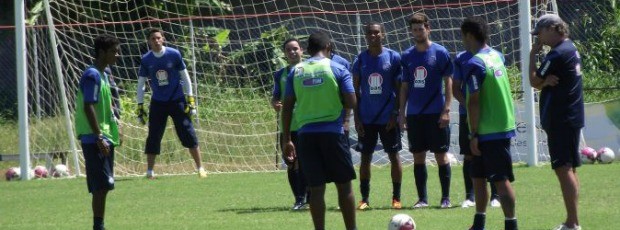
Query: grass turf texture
x=263, y=201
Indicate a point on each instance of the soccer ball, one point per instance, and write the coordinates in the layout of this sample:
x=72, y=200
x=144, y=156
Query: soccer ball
x=452, y=159
x=40, y=171
x=588, y=155
x=60, y=170
x=606, y=155
x=13, y=173
x=401, y=222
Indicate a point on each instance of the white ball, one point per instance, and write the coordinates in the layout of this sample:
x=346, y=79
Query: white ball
x=40, y=171
x=588, y=155
x=13, y=173
x=60, y=170
x=401, y=222
x=606, y=155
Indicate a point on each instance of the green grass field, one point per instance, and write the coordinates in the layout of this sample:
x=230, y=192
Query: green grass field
x=262, y=201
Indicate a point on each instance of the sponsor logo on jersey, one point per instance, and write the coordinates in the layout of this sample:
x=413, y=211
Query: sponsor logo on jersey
x=375, y=80
x=419, y=75
x=162, y=77
x=315, y=81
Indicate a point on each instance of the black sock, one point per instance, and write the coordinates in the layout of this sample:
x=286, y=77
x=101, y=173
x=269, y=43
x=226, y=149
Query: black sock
x=469, y=186
x=365, y=189
x=493, y=191
x=396, y=191
x=293, y=181
x=97, y=223
x=445, y=174
x=421, y=175
x=479, y=220
x=510, y=224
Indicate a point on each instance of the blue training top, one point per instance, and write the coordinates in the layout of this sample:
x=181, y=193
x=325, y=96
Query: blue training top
x=163, y=73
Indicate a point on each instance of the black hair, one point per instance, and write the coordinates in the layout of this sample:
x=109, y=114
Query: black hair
x=105, y=42
x=372, y=23
x=419, y=18
x=477, y=27
x=318, y=41
x=289, y=40
x=155, y=30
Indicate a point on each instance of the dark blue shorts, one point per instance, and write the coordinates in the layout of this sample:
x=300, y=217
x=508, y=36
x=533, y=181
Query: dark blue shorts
x=99, y=168
x=424, y=134
x=325, y=158
x=464, y=135
x=390, y=139
x=563, y=144
x=495, y=164
x=158, y=117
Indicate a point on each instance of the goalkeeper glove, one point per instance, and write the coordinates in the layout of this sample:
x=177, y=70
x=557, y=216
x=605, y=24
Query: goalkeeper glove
x=190, y=106
x=141, y=114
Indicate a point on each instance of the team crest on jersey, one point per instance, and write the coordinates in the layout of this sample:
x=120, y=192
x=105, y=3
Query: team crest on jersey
x=431, y=60
x=419, y=75
x=375, y=80
x=162, y=77
x=312, y=81
x=299, y=71
x=498, y=73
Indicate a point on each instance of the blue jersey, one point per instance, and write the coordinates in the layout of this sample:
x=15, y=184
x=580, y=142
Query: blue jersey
x=277, y=82
x=345, y=83
x=340, y=60
x=90, y=85
x=459, y=62
x=377, y=81
x=424, y=72
x=562, y=104
x=163, y=73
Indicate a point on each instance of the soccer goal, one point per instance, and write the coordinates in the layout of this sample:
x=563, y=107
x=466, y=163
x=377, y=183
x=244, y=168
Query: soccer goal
x=231, y=49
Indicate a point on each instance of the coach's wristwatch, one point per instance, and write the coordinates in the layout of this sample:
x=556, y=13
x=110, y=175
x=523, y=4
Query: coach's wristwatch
x=473, y=135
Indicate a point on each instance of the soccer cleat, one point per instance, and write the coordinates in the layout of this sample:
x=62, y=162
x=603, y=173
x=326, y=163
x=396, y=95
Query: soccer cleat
x=420, y=204
x=363, y=205
x=472, y=228
x=298, y=205
x=396, y=204
x=468, y=203
x=495, y=203
x=202, y=173
x=564, y=227
x=150, y=176
x=445, y=203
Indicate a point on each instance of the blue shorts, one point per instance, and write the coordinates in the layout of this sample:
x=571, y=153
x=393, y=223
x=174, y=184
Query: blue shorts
x=390, y=139
x=325, y=158
x=99, y=168
x=158, y=117
x=563, y=144
x=495, y=163
x=464, y=135
x=424, y=134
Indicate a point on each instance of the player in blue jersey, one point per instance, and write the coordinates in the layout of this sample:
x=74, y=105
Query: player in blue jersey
x=296, y=178
x=376, y=78
x=425, y=67
x=96, y=126
x=491, y=120
x=459, y=87
x=561, y=106
x=320, y=90
x=170, y=83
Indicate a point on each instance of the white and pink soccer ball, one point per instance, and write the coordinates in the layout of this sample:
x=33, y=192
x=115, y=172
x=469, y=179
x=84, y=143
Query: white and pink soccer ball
x=588, y=155
x=40, y=171
x=60, y=170
x=14, y=173
x=606, y=155
x=401, y=222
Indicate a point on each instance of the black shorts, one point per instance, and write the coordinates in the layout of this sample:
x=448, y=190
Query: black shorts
x=424, y=134
x=563, y=144
x=99, y=168
x=495, y=163
x=464, y=135
x=390, y=139
x=325, y=158
x=158, y=117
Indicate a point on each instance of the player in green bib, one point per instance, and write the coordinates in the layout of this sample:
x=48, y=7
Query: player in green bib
x=491, y=122
x=296, y=179
x=96, y=127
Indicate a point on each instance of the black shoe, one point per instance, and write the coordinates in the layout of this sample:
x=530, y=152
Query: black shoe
x=299, y=205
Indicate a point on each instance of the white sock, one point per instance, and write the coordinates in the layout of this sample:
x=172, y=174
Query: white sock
x=200, y=168
x=149, y=172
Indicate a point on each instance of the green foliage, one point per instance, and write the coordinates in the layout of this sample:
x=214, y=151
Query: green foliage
x=262, y=201
x=601, y=53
